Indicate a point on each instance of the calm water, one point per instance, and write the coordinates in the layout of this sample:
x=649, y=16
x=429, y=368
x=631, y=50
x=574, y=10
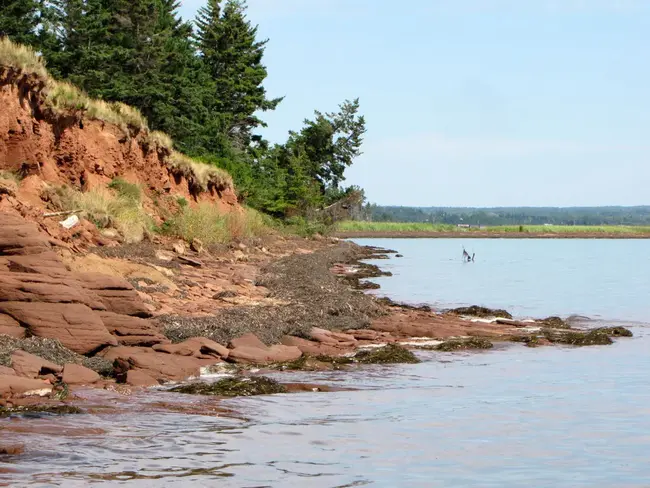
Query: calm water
x=514, y=417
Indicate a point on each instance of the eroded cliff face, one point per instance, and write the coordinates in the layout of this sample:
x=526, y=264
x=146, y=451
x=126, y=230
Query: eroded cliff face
x=70, y=150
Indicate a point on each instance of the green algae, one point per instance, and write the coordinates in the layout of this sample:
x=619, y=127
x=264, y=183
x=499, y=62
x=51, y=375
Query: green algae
x=615, y=331
x=390, y=354
x=314, y=363
x=463, y=344
x=555, y=323
x=233, y=387
x=40, y=409
x=578, y=338
x=481, y=312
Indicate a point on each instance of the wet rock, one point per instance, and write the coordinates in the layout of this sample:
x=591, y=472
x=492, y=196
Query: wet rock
x=615, y=331
x=555, y=323
x=17, y=386
x=464, y=344
x=75, y=325
x=75, y=374
x=30, y=366
x=577, y=338
x=138, y=378
x=234, y=387
x=390, y=354
x=11, y=449
x=482, y=312
x=40, y=409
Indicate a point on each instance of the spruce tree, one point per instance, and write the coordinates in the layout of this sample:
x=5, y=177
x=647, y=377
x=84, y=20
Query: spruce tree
x=233, y=56
x=19, y=19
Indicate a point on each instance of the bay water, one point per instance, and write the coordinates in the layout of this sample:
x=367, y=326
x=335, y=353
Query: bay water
x=509, y=417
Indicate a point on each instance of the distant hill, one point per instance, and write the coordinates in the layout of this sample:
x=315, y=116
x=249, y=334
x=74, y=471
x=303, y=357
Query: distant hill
x=511, y=215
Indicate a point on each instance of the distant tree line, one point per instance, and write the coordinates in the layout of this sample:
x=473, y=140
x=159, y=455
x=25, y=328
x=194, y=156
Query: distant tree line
x=201, y=82
x=510, y=215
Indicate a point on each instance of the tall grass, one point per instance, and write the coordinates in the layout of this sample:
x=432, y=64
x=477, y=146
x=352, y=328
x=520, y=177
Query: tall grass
x=207, y=223
x=120, y=209
x=22, y=58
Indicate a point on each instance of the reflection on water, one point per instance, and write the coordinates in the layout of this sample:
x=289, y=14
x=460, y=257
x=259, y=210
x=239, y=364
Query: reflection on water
x=517, y=417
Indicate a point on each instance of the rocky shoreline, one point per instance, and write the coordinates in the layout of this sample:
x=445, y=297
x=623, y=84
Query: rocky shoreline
x=153, y=315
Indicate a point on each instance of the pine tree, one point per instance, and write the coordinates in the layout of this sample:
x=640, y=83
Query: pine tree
x=233, y=56
x=19, y=19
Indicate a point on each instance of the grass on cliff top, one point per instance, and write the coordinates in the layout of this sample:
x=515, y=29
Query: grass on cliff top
x=360, y=226
x=199, y=175
x=207, y=223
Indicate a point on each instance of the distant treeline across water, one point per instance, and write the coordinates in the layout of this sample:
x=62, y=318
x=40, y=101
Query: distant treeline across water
x=510, y=215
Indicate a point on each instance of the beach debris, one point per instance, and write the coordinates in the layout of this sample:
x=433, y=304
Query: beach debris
x=70, y=222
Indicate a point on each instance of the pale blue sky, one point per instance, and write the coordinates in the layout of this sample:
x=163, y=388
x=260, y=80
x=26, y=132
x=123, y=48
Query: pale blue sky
x=473, y=102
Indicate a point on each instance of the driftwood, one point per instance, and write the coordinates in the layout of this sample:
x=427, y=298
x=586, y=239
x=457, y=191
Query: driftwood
x=58, y=214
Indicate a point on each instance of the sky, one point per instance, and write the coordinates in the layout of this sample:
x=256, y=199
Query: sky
x=472, y=102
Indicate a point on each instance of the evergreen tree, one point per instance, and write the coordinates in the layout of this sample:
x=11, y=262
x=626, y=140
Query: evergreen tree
x=233, y=56
x=19, y=20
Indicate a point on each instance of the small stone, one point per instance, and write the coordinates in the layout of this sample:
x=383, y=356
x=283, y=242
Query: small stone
x=240, y=256
x=196, y=245
x=162, y=255
x=179, y=248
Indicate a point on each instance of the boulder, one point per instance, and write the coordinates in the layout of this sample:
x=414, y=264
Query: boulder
x=15, y=386
x=132, y=331
x=247, y=340
x=136, y=377
x=29, y=366
x=124, y=302
x=159, y=365
x=311, y=347
x=75, y=325
x=256, y=355
x=75, y=374
x=7, y=371
x=179, y=247
x=195, y=346
x=10, y=327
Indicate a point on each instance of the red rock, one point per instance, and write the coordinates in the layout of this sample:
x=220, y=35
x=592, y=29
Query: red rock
x=10, y=327
x=132, y=331
x=46, y=263
x=311, y=347
x=75, y=374
x=248, y=340
x=159, y=365
x=341, y=337
x=30, y=366
x=14, y=385
x=124, y=302
x=136, y=377
x=195, y=346
x=50, y=378
x=322, y=335
x=256, y=355
x=11, y=449
x=75, y=325
x=7, y=371
x=98, y=281
x=30, y=287
x=365, y=334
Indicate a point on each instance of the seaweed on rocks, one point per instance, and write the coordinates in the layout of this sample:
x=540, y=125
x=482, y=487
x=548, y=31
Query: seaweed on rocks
x=555, y=323
x=578, y=338
x=312, y=297
x=389, y=354
x=405, y=306
x=40, y=409
x=50, y=349
x=233, y=387
x=464, y=344
x=482, y=312
x=617, y=331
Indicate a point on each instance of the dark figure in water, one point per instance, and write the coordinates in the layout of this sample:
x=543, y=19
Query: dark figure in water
x=467, y=257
